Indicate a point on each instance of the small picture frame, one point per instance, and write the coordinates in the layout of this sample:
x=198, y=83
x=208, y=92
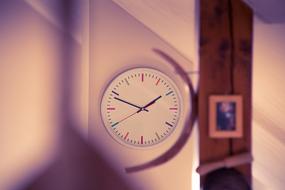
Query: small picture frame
x=225, y=116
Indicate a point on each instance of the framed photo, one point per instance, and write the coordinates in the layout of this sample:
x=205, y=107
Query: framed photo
x=225, y=116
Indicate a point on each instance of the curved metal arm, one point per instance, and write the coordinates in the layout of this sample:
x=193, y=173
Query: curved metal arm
x=188, y=125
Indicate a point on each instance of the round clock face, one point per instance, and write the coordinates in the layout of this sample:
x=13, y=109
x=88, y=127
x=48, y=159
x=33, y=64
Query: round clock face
x=141, y=107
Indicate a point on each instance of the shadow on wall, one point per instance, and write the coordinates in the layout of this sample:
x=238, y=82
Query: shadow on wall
x=78, y=166
x=28, y=68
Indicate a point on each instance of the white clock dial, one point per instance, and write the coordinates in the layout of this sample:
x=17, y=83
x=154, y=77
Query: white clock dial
x=141, y=107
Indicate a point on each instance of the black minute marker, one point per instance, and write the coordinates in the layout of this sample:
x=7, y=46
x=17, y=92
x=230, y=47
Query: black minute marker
x=115, y=93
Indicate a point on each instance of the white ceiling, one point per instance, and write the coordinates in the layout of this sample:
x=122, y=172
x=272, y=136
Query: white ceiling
x=270, y=11
x=171, y=20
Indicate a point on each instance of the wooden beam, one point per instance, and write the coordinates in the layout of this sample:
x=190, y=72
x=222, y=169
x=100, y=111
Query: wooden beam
x=214, y=71
x=225, y=68
x=242, y=51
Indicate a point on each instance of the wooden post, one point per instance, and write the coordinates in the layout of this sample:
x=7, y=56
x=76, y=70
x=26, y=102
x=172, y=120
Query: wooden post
x=225, y=68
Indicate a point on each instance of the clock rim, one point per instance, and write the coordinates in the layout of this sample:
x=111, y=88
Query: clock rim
x=181, y=95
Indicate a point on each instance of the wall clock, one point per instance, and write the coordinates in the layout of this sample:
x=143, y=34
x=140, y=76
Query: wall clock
x=141, y=107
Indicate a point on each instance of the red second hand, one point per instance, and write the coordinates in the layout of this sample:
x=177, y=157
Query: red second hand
x=127, y=117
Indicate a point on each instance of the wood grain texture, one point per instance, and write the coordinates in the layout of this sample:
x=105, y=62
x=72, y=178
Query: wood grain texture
x=214, y=72
x=242, y=50
x=225, y=68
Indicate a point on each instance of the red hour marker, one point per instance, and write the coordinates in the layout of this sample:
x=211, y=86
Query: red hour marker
x=142, y=77
x=141, y=139
x=126, y=135
x=111, y=108
x=173, y=108
x=157, y=82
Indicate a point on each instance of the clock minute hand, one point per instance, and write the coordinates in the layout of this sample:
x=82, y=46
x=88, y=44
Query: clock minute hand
x=126, y=102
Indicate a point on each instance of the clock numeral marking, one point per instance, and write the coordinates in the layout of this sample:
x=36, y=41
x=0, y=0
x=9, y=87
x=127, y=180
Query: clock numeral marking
x=173, y=108
x=168, y=93
x=111, y=108
x=168, y=124
x=141, y=139
x=157, y=135
x=142, y=77
x=157, y=82
x=127, y=82
x=115, y=93
x=114, y=124
x=126, y=135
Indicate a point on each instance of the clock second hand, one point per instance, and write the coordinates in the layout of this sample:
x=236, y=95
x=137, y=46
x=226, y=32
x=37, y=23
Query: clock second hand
x=128, y=116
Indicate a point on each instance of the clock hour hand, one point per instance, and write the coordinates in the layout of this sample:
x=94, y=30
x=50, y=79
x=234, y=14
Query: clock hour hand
x=126, y=102
x=150, y=103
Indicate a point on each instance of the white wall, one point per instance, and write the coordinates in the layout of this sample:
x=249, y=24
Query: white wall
x=138, y=34
x=268, y=105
